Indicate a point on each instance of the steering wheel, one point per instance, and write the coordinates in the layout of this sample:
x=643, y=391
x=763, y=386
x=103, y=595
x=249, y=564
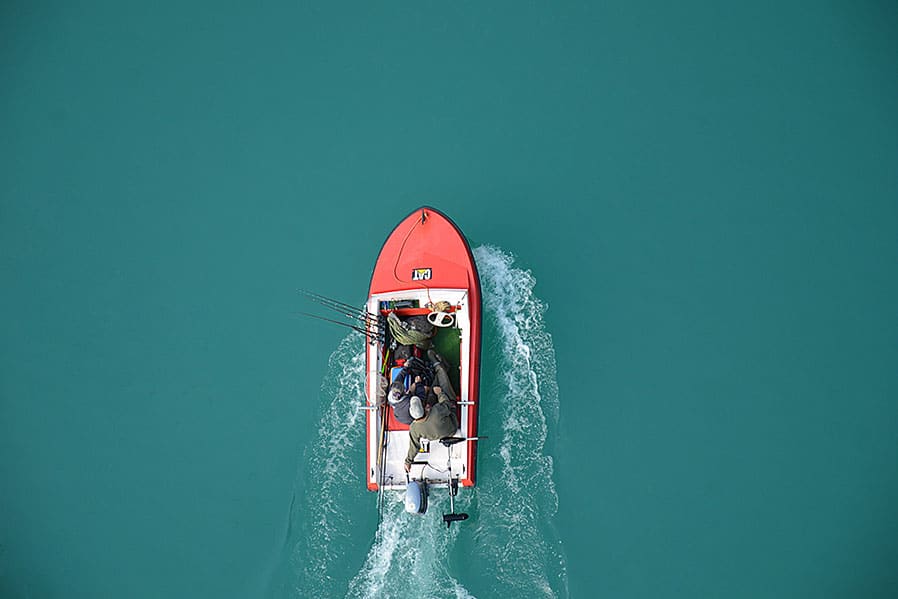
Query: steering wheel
x=441, y=319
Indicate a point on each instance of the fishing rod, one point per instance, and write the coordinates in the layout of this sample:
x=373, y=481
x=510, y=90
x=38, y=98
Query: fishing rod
x=318, y=296
x=383, y=464
x=372, y=335
x=365, y=318
x=341, y=307
x=346, y=311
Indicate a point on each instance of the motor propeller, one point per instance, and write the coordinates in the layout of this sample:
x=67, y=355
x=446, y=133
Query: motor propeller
x=453, y=491
x=450, y=518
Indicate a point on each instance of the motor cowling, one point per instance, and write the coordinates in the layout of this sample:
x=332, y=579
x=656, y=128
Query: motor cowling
x=416, y=497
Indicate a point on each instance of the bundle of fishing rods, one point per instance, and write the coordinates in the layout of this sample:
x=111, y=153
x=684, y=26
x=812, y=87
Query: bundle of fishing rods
x=370, y=325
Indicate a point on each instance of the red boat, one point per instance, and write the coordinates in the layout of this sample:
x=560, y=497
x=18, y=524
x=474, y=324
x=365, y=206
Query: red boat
x=426, y=270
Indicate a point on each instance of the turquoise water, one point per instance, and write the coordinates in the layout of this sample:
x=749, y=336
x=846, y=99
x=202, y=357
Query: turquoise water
x=511, y=543
x=686, y=221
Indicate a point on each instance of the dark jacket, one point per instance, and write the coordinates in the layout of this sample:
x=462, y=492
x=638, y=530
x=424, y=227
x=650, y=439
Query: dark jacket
x=401, y=408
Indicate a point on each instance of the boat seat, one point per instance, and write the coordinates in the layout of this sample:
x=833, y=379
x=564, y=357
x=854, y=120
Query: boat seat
x=394, y=374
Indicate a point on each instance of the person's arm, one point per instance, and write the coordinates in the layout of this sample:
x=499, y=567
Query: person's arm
x=442, y=397
x=414, y=385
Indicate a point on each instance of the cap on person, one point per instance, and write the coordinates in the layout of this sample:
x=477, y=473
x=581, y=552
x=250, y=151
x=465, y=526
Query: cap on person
x=397, y=390
x=416, y=408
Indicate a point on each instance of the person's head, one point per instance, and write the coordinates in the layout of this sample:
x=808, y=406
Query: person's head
x=416, y=408
x=397, y=390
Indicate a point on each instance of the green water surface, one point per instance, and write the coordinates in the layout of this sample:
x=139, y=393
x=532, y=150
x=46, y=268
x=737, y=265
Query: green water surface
x=706, y=194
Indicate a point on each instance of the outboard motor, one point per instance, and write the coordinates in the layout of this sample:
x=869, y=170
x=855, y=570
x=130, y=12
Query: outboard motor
x=416, y=497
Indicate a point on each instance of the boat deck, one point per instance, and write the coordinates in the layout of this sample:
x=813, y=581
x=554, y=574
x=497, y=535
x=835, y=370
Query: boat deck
x=447, y=343
x=388, y=439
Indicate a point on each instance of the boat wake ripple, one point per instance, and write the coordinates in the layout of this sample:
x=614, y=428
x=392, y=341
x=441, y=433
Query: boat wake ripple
x=516, y=494
x=326, y=512
x=510, y=546
x=410, y=557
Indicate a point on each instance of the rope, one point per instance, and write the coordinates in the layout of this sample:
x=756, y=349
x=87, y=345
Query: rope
x=418, y=221
x=440, y=306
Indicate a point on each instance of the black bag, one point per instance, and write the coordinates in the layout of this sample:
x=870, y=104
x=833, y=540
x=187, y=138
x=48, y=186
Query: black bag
x=420, y=324
x=417, y=367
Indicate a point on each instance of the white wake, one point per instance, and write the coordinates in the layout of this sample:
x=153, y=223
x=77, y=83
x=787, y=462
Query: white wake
x=518, y=500
x=510, y=546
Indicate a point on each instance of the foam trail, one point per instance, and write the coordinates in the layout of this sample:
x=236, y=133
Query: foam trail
x=509, y=547
x=410, y=556
x=518, y=500
x=333, y=476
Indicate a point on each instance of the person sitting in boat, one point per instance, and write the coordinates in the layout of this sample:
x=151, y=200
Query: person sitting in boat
x=432, y=421
x=400, y=398
x=441, y=377
x=421, y=386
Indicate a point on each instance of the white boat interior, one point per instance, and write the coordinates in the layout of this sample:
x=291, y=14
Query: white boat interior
x=387, y=439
